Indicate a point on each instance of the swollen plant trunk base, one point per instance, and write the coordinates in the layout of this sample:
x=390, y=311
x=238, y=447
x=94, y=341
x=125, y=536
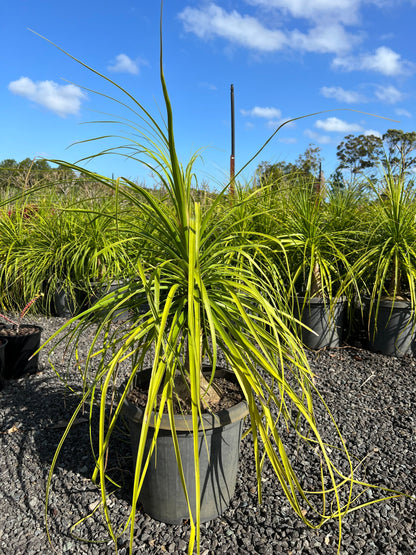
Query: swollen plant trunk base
x=327, y=325
x=162, y=495
x=392, y=332
x=21, y=345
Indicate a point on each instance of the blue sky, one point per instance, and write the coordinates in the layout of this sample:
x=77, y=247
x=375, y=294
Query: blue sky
x=286, y=58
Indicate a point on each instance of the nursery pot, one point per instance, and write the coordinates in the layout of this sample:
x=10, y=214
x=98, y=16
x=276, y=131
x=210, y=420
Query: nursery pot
x=3, y=343
x=392, y=332
x=327, y=324
x=84, y=296
x=19, y=348
x=162, y=494
x=99, y=290
x=66, y=305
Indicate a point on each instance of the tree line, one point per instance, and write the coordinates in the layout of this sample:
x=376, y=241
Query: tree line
x=28, y=173
x=395, y=150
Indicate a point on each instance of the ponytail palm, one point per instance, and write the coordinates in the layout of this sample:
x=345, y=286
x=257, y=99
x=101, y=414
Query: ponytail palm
x=206, y=294
x=388, y=263
x=14, y=240
x=321, y=243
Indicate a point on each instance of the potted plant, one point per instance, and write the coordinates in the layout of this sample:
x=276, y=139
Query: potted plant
x=320, y=245
x=21, y=343
x=205, y=304
x=71, y=251
x=17, y=342
x=19, y=215
x=14, y=236
x=387, y=267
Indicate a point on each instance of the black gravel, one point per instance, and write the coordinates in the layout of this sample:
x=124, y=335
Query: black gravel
x=371, y=396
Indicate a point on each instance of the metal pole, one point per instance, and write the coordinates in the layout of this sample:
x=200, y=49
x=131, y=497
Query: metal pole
x=232, y=157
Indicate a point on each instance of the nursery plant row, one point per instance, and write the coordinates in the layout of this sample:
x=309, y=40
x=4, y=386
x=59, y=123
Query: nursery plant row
x=341, y=258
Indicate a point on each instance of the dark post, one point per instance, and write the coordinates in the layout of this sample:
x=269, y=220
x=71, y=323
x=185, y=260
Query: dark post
x=232, y=157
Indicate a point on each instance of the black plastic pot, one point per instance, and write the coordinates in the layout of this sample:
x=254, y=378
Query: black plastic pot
x=3, y=343
x=66, y=305
x=19, y=348
x=327, y=324
x=99, y=290
x=393, y=331
x=162, y=495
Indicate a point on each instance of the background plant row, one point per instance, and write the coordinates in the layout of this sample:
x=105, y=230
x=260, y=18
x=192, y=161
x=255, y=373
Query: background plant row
x=75, y=233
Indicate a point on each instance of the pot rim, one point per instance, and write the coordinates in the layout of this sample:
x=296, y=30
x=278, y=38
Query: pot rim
x=322, y=300
x=389, y=303
x=183, y=422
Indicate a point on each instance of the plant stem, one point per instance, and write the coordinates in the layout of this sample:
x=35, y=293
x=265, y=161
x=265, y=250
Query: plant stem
x=395, y=289
x=316, y=284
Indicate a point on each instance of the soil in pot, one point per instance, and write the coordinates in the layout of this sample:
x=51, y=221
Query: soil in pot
x=162, y=495
x=327, y=325
x=22, y=343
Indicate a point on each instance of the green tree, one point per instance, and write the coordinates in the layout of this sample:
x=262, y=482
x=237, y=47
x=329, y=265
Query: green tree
x=309, y=163
x=272, y=173
x=395, y=150
x=8, y=163
x=401, y=150
x=8, y=169
x=305, y=168
x=359, y=153
x=336, y=180
x=23, y=174
x=27, y=173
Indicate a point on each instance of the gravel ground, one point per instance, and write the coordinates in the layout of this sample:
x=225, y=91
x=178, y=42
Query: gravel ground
x=371, y=396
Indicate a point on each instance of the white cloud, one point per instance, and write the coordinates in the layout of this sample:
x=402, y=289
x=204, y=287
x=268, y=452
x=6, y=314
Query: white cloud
x=384, y=60
x=403, y=112
x=272, y=115
x=336, y=125
x=262, y=112
x=244, y=30
x=124, y=64
x=373, y=132
x=322, y=39
x=317, y=137
x=345, y=11
x=61, y=99
x=213, y=21
x=274, y=124
x=390, y=94
x=342, y=95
